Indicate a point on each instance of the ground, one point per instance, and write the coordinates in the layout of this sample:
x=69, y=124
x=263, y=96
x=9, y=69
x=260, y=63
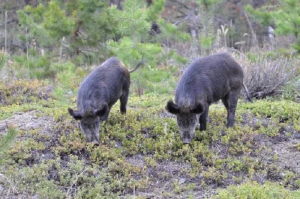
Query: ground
x=141, y=154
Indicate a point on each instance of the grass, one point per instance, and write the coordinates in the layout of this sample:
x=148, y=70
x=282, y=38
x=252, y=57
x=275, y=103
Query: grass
x=141, y=154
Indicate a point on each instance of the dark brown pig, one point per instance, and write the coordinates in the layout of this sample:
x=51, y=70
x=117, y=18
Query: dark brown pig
x=205, y=81
x=98, y=92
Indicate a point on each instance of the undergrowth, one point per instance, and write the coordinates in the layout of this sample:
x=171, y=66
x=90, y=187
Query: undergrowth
x=255, y=190
x=141, y=154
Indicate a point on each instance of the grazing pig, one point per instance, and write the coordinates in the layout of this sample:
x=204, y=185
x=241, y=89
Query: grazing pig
x=205, y=81
x=98, y=92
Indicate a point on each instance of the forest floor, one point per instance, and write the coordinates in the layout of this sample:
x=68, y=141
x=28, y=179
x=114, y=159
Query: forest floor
x=141, y=154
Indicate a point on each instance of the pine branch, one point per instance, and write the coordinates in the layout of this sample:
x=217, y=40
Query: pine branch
x=7, y=139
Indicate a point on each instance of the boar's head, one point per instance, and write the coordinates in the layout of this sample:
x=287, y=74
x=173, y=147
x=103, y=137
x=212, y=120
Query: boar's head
x=187, y=119
x=90, y=122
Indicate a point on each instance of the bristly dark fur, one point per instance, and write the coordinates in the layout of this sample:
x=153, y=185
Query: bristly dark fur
x=105, y=84
x=205, y=81
x=98, y=92
x=209, y=79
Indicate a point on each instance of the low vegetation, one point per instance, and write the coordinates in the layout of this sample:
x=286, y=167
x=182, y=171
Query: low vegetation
x=141, y=154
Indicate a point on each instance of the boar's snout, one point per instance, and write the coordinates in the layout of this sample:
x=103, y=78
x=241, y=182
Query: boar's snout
x=187, y=124
x=186, y=137
x=186, y=141
x=94, y=138
x=90, y=128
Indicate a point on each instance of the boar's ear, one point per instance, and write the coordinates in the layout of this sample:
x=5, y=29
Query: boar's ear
x=172, y=108
x=197, y=109
x=75, y=114
x=101, y=111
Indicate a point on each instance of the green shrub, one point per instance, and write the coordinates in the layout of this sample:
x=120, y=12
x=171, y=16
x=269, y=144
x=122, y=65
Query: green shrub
x=6, y=140
x=34, y=66
x=153, y=80
x=67, y=80
x=255, y=190
x=3, y=59
x=291, y=91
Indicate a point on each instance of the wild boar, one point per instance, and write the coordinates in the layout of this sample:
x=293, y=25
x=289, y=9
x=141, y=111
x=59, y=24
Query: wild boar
x=98, y=92
x=205, y=81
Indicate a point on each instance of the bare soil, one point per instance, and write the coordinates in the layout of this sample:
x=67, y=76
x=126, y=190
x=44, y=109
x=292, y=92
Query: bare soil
x=27, y=121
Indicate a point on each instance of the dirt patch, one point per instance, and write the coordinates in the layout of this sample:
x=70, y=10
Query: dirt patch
x=288, y=155
x=166, y=175
x=27, y=121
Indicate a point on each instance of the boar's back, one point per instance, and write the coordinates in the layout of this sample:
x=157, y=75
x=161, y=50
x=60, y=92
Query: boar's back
x=209, y=78
x=104, y=84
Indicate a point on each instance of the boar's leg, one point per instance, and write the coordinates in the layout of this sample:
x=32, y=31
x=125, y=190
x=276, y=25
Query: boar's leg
x=124, y=98
x=230, y=102
x=225, y=101
x=203, y=118
x=123, y=102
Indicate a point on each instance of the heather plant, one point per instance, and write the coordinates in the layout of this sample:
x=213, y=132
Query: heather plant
x=267, y=76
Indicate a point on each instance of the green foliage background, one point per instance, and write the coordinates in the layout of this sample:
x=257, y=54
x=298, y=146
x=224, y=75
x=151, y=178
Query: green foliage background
x=285, y=16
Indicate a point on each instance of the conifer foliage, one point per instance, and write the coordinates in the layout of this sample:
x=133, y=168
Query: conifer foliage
x=285, y=16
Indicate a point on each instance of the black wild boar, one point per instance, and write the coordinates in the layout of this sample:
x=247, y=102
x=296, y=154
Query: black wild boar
x=98, y=92
x=205, y=81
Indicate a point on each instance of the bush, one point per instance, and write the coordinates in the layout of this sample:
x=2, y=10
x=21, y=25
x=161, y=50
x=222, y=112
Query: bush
x=265, y=76
x=68, y=79
x=24, y=91
x=153, y=80
x=34, y=66
x=6, y=140
x=292, y=90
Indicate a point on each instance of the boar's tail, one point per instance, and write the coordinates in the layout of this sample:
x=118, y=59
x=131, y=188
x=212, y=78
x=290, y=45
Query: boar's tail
x=247, y=93
x=137, y=66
